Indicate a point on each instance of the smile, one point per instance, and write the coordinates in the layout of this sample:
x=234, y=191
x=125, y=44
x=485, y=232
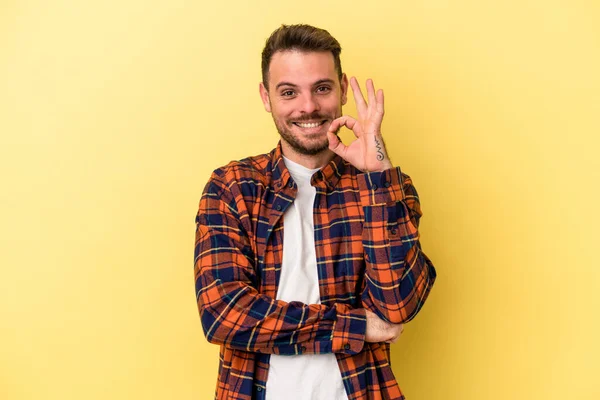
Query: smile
x=309, y=124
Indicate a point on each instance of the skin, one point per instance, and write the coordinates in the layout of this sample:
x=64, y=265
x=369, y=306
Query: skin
x=304, y=87
x=379, y=330
x=367, y=152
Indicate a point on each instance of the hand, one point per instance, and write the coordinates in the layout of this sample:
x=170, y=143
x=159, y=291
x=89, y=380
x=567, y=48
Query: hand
x=367, y=152
x=379, y=330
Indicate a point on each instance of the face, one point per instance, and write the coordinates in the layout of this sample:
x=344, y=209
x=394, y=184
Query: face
x=304, y=96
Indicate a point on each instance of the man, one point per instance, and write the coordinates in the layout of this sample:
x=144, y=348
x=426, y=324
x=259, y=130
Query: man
x=307, y=259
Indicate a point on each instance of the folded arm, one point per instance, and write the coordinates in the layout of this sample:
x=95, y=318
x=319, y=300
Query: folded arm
x=232, y=310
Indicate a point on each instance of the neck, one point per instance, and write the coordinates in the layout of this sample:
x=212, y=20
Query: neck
x=315, y=161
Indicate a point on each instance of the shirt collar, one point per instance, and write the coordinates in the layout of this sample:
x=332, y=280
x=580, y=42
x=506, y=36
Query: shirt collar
x=326, y=178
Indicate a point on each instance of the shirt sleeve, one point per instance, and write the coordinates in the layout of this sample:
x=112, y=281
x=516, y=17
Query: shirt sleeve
x=235, y=314
x=398, y=275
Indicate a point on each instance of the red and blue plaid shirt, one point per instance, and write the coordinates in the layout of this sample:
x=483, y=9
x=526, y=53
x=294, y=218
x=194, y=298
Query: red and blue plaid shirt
x=368, y=256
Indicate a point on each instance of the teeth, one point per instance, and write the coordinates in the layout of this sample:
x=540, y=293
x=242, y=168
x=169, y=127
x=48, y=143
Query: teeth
x=312, y=125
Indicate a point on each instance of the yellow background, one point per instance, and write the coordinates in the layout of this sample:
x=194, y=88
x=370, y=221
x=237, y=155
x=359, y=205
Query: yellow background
x=114, y=113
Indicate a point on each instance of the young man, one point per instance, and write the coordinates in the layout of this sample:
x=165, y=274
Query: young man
x=307, y=259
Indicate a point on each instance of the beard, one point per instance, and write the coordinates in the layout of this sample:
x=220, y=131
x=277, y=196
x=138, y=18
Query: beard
x=306, y=145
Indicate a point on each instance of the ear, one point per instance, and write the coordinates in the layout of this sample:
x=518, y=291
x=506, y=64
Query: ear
x=264, y=96
x=344, y=85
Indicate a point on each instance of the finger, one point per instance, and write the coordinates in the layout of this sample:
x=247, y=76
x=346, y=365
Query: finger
x=336, y=145
x=371, y=92
x=346, y=121
x=361, y=105
x=380, y=108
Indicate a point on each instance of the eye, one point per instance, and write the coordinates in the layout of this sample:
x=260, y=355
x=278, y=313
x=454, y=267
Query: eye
x=287, y=93
x=323, y=89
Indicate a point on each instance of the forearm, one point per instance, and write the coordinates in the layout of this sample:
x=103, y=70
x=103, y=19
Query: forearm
x=398, y=275
x=236, y=315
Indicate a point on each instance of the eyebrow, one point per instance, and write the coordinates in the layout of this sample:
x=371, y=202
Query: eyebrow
x=319, y=82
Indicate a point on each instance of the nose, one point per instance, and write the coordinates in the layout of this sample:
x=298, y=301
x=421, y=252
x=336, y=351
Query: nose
x=310, y=104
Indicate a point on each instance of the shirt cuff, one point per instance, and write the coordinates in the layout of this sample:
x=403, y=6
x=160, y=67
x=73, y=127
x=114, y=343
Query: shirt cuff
x=349, y=330
x=380, y=187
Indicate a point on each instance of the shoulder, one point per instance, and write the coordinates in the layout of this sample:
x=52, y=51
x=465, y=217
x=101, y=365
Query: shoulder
x=250, y=170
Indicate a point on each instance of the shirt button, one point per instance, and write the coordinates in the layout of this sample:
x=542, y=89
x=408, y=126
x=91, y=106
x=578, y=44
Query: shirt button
x=347, y=346
x=259, y=389
x=393, y=231
x=291, y=183
x=278, y=207
x=374, y=187
x=302, y=349
x=387, y=184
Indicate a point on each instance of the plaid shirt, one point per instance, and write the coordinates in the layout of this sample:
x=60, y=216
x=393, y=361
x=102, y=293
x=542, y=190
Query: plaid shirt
x=368, y=256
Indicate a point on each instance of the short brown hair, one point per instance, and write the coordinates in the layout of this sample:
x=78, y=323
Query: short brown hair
x=303, y=38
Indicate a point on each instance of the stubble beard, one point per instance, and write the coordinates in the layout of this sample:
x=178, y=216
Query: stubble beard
x=316, y=146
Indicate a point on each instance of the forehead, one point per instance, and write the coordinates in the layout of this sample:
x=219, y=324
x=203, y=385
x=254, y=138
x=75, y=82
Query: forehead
x=301, y=68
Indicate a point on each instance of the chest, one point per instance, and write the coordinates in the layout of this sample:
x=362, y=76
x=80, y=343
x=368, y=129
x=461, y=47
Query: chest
x=337, y=220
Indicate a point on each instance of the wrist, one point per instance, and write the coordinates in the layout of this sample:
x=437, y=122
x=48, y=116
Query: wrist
x=385, y=165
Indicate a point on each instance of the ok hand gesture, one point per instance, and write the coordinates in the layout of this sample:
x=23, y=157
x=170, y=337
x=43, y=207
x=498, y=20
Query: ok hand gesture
x=367, y=152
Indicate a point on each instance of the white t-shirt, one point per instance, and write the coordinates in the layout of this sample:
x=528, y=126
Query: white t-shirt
x=303, y=376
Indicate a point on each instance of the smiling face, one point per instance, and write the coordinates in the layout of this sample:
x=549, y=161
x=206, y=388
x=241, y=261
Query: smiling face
x=304, y=96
